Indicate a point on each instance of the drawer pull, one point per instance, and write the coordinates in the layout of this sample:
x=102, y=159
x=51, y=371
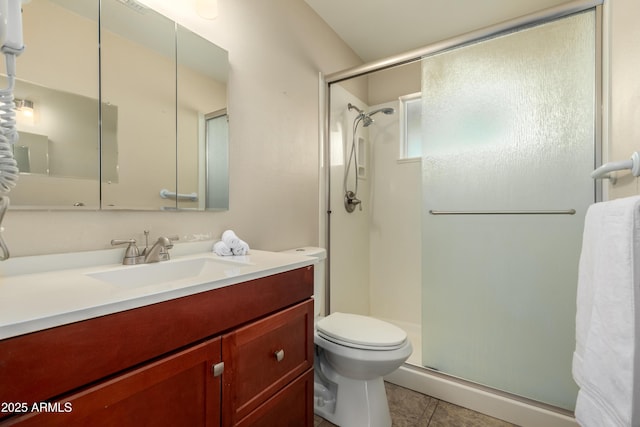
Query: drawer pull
x=279, y=355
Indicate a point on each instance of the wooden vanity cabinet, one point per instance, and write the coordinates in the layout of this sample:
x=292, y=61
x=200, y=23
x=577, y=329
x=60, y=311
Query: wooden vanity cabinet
x=261, y=331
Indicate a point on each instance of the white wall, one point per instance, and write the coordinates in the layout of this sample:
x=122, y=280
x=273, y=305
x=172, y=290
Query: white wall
x=395, y=234
x=276, y=50
x=396, y=221
x=349, y=245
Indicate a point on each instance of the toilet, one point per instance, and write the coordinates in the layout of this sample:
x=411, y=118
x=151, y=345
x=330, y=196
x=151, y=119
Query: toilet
x=352, y=354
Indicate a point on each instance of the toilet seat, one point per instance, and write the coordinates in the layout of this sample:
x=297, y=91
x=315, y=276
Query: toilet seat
x=356, y=331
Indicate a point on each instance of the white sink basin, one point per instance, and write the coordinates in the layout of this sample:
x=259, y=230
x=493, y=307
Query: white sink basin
x=135, y=276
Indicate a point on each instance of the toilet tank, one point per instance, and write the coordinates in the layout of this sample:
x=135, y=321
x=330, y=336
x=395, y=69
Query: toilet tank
x=320, y=255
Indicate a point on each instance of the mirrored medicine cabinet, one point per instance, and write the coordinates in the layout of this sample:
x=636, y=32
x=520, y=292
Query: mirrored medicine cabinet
x=118, y=108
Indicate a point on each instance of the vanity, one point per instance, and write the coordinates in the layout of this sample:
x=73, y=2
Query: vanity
x=208, y=341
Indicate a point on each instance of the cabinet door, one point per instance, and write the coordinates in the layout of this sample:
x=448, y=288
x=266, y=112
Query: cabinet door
x=263, y=357
x=177, y=390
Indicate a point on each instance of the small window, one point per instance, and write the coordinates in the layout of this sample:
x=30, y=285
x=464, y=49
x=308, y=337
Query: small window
x=411, y=126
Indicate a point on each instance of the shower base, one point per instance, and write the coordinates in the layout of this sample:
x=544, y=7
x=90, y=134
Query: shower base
x=523, y=412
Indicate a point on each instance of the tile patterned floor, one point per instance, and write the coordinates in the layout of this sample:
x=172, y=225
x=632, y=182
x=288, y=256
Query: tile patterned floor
x=411, y=409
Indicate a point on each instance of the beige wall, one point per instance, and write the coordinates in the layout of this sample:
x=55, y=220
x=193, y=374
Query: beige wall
x=388, y=85
x=622, y=137
x=276, y=50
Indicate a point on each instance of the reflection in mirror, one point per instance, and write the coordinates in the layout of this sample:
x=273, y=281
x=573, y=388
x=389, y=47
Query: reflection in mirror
x=32, y=153
x=217, y=160
x=138, y=77
x=202, y=148
x=58, y=146
x=52, y=148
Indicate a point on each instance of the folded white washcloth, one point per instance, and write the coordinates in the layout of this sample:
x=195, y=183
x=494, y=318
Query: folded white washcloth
x=230, y=239
x=221, y=249
x=241, y=249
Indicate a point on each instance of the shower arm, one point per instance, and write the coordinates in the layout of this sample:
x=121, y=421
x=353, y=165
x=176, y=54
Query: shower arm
x=350, y=106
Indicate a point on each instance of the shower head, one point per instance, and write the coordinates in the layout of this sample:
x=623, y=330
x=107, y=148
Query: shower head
x=367, y=117
x=382, y=110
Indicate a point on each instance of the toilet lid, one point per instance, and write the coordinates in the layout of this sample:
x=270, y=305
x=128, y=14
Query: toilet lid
x=360, y=330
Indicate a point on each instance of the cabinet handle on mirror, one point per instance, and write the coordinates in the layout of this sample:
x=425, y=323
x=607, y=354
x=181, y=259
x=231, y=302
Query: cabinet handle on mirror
x=279, y=355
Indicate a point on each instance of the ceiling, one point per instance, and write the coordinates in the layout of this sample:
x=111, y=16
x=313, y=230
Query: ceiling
x=377, y=29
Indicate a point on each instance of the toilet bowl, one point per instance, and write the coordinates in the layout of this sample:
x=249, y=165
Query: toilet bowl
x=352, y=354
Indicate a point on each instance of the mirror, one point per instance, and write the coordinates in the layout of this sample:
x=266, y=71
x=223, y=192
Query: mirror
x=132, y=134
x=138, y=76
x=203, y=171
x=58, y=77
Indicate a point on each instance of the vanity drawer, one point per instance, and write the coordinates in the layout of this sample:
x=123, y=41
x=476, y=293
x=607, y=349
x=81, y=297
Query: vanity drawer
x=263, y=357
x=292, y=406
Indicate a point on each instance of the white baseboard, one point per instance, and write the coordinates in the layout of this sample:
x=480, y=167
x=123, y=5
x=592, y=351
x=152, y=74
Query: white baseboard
x=478, y=399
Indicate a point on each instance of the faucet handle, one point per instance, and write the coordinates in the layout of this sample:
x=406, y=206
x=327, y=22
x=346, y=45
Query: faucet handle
x=131, y=253
x=115, y=242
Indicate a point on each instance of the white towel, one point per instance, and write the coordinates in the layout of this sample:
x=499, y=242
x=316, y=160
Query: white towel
x=221, y=249
x=230, y=239
x=241, y=249
x=606, y=361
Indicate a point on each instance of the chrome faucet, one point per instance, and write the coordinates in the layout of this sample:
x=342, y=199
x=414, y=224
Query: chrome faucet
x=158, y=252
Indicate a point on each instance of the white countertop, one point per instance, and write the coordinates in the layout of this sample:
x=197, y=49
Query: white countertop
x=39, y=300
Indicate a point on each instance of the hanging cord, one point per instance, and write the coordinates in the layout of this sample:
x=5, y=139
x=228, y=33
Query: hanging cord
x=353, y=156
x=8, y=136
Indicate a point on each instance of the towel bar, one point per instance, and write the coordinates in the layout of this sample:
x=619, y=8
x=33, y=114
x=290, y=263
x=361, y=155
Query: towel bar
x=633, y=164
x=166, y=194
x=547, y=212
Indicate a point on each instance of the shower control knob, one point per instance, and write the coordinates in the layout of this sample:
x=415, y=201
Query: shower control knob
x=351, y=201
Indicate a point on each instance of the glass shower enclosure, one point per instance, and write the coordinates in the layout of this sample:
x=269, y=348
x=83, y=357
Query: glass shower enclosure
x=474, y=245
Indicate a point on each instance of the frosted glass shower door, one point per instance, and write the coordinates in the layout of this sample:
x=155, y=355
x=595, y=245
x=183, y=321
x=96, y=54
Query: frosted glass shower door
x=509, y=143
